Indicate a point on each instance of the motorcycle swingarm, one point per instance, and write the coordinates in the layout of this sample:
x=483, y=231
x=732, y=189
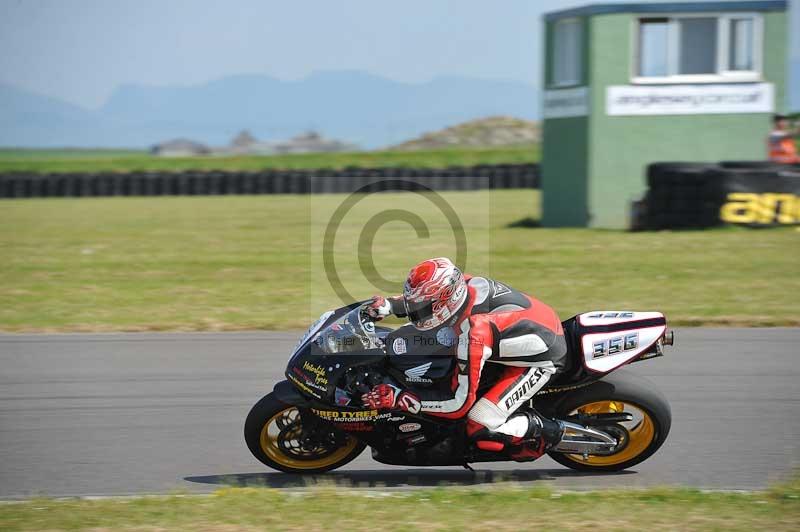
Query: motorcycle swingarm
x=601, y=419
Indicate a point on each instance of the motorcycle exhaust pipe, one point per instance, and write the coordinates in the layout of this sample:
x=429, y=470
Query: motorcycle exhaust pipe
x=658, y=350
x=668, y=338
x=578, y=439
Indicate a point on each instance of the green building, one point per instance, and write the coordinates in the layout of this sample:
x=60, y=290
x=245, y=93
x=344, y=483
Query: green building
x=630, y=84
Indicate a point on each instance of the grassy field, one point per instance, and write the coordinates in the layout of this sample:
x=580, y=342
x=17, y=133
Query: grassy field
x=498, y=508
x=50, y=154
x=241, y=262
x=124, y=161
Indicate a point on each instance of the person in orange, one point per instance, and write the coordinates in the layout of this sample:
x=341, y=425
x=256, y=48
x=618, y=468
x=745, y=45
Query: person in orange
x=780, y=141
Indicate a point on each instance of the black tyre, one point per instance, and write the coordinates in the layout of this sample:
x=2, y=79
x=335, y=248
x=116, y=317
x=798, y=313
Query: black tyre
x=621, y=391
x=746, y=165
x=272, y=432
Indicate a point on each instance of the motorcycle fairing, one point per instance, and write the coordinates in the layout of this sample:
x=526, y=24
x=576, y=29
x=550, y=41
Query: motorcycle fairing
x=315, y=371
x=610, y=339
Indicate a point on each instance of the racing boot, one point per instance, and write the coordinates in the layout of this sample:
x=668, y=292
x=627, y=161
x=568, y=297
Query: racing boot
x=484, y=439
x=549, y=430
x=542, y=434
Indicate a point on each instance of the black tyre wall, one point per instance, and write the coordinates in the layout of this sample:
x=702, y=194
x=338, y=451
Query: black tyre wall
x=691, y=196
x=192, y=182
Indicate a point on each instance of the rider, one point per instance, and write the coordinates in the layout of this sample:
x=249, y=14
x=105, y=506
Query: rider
x=490, y=323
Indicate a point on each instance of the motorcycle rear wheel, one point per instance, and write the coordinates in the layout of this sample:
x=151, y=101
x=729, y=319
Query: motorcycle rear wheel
x=272, y=431
x=619, y=392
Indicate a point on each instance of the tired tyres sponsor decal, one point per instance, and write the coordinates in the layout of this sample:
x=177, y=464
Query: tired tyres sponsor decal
x=338, y=416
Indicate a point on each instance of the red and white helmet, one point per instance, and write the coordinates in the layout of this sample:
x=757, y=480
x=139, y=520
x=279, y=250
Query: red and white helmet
x=434, y=291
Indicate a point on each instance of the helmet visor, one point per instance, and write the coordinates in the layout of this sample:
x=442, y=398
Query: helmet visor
x=420, y=311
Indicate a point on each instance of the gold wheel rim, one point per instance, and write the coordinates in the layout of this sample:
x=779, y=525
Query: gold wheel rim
x=270, y=446
x=641, y=432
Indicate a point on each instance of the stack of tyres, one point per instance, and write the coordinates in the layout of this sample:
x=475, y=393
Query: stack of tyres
x=267, y=181
x=699, y=195
x=679, y=196
x=752, y=165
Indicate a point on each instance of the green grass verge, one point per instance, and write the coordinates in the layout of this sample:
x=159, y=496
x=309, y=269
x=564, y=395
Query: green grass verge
x=49, y=154
x=241, y=262
x=497, y=507
x=125, y=161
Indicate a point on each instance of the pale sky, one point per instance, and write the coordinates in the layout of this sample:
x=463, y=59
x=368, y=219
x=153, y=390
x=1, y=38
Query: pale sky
x=80, y=50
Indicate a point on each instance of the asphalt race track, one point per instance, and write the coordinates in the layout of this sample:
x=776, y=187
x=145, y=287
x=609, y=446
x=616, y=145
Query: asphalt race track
x=113, y=414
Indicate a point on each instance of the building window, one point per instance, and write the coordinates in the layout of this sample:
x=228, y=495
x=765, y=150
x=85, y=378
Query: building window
x=653, y=48
x=740, y=44
x=566, y=59
x=698, y=48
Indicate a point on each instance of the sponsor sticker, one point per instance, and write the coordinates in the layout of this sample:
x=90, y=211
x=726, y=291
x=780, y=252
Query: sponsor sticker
x=350, y=417
x=358, y=427
x=302, y=385
x=500, y=289
x=399, y=346
x=416, y=374
x=417, y=439
x=320, y=375
x=447, y=337
x=523, y=389
x=409, y=427
x=308, y=380
x=605, y=315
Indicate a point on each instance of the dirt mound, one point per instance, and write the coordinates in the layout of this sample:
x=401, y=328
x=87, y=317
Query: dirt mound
x=490, y=131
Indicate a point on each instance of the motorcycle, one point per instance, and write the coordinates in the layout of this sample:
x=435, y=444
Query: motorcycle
x=315, y=422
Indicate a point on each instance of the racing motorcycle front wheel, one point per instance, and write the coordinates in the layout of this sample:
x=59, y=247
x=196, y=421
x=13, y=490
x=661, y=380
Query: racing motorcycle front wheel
x=275, y=435
x=623, y=393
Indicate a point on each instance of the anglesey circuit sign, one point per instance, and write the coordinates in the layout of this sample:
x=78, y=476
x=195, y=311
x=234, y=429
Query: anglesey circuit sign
x=731, y=98
x=565, y=103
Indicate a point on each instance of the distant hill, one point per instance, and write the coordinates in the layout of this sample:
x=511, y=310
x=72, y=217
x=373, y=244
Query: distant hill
x=28, y=119
x=352, y=106
x=491, y=131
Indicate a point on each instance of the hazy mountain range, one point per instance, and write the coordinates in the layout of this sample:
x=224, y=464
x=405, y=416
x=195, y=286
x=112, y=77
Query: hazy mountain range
x=353, y=106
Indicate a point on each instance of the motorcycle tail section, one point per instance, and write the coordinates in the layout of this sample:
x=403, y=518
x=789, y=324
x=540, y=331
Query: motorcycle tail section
x=607, y=340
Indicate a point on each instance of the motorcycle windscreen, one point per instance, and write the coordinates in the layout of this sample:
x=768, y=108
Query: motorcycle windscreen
x=342, y=342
